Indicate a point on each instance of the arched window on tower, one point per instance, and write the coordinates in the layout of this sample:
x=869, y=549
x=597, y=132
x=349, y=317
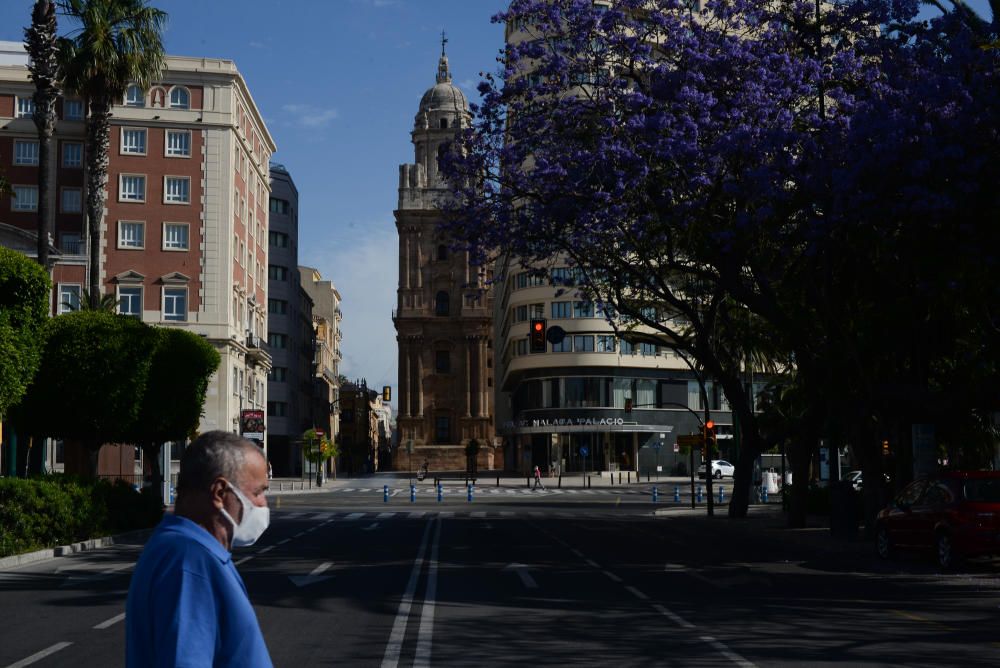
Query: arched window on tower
x=442, y=252
x=441, y=303
x=444, y=123
x=442, y=151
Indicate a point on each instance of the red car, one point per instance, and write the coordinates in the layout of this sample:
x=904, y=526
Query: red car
x=956, y=514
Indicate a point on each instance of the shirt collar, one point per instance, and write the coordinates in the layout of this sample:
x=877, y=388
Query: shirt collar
x=196, y=532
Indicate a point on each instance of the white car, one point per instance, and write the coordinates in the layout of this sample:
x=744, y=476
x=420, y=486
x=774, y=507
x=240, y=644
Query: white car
x=720, y=468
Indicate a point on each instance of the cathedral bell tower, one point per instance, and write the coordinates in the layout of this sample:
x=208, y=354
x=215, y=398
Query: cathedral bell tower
x=444, y=308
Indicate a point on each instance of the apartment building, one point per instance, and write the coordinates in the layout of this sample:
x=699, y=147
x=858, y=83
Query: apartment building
x=184, y=238
x=326, y=317
x=443, y=317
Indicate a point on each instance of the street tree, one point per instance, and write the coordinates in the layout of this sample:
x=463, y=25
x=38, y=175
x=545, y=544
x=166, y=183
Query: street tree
x=43, y=67
x=113, y=44
x=24, y=304
x=317, y=448
x=92, y=379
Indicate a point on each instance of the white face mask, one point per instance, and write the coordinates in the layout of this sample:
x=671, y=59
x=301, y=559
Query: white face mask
x=255, y=520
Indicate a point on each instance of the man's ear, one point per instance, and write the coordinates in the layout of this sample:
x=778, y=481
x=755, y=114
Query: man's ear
x=217, y=492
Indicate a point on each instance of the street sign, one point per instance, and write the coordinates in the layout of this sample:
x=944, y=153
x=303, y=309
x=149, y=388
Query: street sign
x=584, y=451
x=690, y=441
x=677, y=448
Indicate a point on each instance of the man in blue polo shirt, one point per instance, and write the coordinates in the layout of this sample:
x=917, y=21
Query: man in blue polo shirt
x=187, y=605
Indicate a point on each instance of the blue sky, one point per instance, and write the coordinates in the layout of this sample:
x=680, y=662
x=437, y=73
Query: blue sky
x=338, y=83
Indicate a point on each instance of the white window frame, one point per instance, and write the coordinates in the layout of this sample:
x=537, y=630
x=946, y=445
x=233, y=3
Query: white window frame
x=173, y=317
x=175, y=153
x=121, y=189
x=169, y=246
x=131, y=100
x=169, y=198
x=79, y=201
x=181, y=90
x=119, y=290
x=24, y=107
x=76, y=164
x=26, y=152
x=124, y=243
x=67, y=116
x=129, y=149
x=15, y=201
x=60, y=308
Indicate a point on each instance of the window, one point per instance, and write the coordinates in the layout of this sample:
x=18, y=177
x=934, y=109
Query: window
x=73, y=110
x=626, y=348
x=561, y=310
x=521, y=347
x=521, y=313
x=71, y=200
x=25, y=198
x=442, y=361
x=25, y=152
x=583, y=344
x=131, y=234
x=279, y=206
x=69, y=298
x=72, y=154
x=648, y=349
x=521, y=281
x=277, y=374
x=178, y=143
x=444, y=123
x=564, y=346
x=536, y=310
x=277, y=306
x=278, y=239
x=176, y=189
x=175, y=304
x=605, y=343
x=277, y=408
x=180, y=98
x=130, y=301
x=583, y=309
x=562, y=276
x=175, y=236
x=441, y=303
x=71, y=243
x=278, y=341
x=277, y=272
x=25, y=108
x=134, y=141
x=442, y=429
x=135, y=97
x=132, y=188
x=442, y=252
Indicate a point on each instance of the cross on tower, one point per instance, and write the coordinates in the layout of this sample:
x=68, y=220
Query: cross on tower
x=444, y=40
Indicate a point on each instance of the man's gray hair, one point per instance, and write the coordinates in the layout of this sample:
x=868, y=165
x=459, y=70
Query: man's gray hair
x=212, y=455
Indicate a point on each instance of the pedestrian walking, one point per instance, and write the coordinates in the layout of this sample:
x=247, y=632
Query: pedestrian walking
x=187, y=605
x=538, y=478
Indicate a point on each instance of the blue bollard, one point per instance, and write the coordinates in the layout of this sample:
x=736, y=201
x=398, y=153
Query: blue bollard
x=656, y=495
x=677, y=494
x=698, y=495
x=722, y=494
x=413, y=493
x=470, y=486
x=385, y=493
x=440, y=495
x=763, y=493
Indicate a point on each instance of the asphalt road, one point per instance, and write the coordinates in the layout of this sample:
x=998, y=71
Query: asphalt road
x=533, y=578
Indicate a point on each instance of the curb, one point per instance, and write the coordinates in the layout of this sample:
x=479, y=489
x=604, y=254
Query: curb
x=16, y=560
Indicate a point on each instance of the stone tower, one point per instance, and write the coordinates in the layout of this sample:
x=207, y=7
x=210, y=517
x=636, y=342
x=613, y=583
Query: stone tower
x=444, y=309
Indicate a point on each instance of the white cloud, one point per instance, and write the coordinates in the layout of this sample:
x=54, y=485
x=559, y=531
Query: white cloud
x=309, y=116
x=257, y=45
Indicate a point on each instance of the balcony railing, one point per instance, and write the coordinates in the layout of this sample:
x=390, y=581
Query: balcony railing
x=254, y=341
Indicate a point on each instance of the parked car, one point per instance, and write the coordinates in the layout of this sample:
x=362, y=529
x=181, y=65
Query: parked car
x=720, y=468
x=955, y=514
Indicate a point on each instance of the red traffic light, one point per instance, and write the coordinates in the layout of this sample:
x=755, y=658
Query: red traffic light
x=536, y=335
x=538, y=326
x=709, y=425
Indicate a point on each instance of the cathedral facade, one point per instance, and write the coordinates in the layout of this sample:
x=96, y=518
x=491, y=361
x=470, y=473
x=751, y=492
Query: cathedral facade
x=444, y=309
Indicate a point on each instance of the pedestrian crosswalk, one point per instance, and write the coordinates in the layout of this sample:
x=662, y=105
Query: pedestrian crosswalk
x=278, y=515
x=508, y=491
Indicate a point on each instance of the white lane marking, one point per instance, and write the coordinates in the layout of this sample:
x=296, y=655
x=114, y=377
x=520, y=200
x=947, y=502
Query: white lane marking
x=248, y=558
x=313, y=577
x=726, y=652
x=320, y=516
x=422, y=658
x=447, y=513
x=612, y=576
x=395, y=645
x=322, y=567
x=506, y=513
x=511, y=491
x=478, y=515
x=676, y=619
x=535, y=514
x=635, y=592
x=349, y=489
x=286, y=540
x=593, y=564
x=417, y=514
x=384, y=516
x=578, y=553
x=311, y=529
x=373, y=525
x=299, y=534
x=110, y=622
x=265, y=550
x=354, y=516
x=38, y=656
x=292, y=516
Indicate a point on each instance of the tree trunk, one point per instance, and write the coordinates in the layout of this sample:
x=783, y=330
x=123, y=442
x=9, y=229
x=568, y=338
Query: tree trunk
x=743, y=477
x=40, y=39
x=98, y=141
x=801, y=456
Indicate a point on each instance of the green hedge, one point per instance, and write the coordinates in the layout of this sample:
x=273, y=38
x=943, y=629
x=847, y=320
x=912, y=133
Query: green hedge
x=59, y=509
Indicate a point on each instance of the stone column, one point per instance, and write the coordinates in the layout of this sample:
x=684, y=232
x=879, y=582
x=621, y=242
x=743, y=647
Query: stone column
x=482, y=376
x=404, y=380
x=420, y=381
x=468, y=377
x=404, y=270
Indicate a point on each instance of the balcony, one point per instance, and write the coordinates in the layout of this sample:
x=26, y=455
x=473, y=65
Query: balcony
x=255, y=349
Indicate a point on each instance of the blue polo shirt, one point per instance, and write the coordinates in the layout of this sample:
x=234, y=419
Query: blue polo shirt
x=187, y=605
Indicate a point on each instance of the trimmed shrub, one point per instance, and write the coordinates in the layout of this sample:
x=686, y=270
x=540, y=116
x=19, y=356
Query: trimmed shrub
x=59, y=509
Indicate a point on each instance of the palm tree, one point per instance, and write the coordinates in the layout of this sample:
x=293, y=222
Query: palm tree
x=117, y=43
x=44, y=68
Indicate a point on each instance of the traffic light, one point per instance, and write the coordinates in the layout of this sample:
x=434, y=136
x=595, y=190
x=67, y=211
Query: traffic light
x=710, y=441
x=537, y=335
x=386, y=393
x=628, y=406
